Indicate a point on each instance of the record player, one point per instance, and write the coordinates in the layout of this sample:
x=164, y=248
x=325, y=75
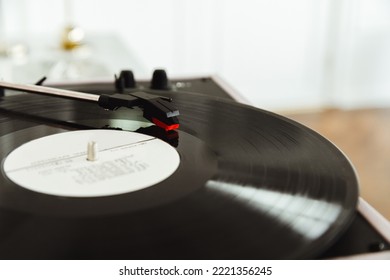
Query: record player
x=172, y=169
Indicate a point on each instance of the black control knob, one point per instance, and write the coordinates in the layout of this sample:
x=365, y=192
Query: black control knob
x=125, y=80
x=160, y=80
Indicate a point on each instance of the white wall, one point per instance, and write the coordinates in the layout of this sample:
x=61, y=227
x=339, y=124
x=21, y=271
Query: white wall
x=279, y=54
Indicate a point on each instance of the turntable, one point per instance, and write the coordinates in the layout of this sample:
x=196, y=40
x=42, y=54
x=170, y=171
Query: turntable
x=172, y=169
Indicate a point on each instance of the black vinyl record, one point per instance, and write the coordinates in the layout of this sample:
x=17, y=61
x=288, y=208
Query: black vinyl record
x=250, y=185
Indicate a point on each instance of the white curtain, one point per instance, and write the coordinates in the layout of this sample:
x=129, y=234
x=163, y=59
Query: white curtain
x=278, y=54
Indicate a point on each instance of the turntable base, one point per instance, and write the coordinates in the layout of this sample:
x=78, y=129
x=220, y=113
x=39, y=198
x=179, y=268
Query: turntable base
x=250, y=184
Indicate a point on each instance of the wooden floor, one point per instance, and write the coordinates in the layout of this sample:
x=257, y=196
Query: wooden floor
x=364, y=136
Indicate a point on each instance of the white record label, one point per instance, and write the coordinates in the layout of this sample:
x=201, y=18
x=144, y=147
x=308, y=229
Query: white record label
x=121, y=162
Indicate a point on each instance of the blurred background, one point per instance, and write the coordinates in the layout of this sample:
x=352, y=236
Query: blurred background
x=324, y=63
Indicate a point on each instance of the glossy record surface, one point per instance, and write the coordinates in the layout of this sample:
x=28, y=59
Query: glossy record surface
x=250, y=185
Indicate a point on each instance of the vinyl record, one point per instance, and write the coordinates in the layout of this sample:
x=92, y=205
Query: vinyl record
x=249, y=185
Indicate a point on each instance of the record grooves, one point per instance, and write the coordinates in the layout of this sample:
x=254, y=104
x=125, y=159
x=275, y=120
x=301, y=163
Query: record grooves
x=250, y=185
